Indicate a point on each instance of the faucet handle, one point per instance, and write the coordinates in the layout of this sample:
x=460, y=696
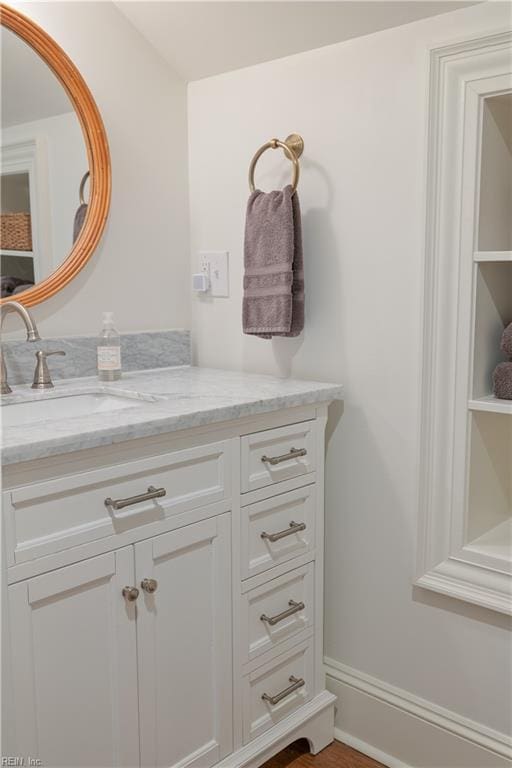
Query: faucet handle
x=42, y=378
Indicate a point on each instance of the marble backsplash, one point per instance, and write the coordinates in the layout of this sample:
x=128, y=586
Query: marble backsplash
x=139, y=351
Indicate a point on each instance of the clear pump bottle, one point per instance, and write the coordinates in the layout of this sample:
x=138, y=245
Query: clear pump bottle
x=109, y=350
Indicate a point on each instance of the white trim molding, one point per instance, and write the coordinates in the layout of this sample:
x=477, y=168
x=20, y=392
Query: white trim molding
x=461, y=76
x=471, y=582
x=369, y=750
x=477, y=734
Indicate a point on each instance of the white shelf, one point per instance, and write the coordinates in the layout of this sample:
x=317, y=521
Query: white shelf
x=490, y=404
x=24, y=254
x=492, y=256
x=496, y=543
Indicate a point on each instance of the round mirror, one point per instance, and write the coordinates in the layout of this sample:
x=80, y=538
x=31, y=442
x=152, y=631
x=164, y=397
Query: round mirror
x=54, y=165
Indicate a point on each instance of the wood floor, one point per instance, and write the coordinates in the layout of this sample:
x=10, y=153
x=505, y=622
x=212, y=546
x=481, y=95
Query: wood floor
x=337, y=755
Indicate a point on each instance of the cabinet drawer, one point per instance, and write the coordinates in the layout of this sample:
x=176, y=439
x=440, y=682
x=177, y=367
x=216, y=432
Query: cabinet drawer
x=280, y=609
x=277, y=529
x=277, y=454
x=278, y=681
x=48, y=517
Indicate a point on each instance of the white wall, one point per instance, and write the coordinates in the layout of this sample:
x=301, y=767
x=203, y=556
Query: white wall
x=141, y=268
x=30, y=90
x=361, y=107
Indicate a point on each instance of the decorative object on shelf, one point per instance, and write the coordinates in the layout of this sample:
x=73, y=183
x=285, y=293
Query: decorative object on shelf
x=10, y=285
x=502, y=376
x=15, y=232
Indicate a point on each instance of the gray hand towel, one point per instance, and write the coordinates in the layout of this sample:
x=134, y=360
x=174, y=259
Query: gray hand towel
x=273, y=303
x=78, y=223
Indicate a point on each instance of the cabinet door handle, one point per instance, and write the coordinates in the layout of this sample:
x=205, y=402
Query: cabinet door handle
x=293, y=453
x=130, y=593
x=294, y=528
x=294, y=608
x=152, y=493
x=296, y=683
x=149, y=585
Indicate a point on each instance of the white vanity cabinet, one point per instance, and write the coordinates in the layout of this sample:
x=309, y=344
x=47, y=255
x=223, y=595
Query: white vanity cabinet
x=83, y=656
x=74, y=673
x=184, y=645
x=182, y=630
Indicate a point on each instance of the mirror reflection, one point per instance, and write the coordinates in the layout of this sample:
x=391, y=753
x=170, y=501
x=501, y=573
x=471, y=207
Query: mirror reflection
x=43, y=169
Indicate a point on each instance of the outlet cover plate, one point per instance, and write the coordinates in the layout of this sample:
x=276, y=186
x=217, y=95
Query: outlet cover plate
x=217, y=267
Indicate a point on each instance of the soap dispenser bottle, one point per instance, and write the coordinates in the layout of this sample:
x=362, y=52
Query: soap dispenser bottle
x=109, y=350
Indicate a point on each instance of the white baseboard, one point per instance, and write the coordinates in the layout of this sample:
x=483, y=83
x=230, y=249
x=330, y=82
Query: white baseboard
x=402, y=730
x=368, y=749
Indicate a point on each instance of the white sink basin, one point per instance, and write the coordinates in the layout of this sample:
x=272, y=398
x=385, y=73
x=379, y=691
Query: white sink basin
x=64, y=407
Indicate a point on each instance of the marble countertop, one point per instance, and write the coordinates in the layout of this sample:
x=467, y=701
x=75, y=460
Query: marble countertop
x=168, y=399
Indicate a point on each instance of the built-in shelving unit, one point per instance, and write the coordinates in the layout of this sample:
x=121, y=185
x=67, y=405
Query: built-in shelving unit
x=465, y=532
x=489, y=502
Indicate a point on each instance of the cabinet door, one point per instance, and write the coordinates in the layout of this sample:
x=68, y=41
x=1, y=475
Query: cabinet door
x=74, y=664
x=184, y=646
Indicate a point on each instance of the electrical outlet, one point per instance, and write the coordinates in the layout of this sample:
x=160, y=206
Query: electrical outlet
x=216, y=265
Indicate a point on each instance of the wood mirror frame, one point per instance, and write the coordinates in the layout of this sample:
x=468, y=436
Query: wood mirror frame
x=97, y=153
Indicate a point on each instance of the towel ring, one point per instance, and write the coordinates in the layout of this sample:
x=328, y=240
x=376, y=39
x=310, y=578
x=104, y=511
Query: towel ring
x=293, y=147
x=82, y=187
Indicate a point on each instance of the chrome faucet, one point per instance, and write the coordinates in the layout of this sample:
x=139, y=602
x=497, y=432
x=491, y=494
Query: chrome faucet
x=32, y=335
x=42, y=378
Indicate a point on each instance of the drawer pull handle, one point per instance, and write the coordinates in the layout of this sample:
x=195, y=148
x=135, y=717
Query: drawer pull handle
x=294, y=528
x=149, y=585
x=293, y=453
x=294, y=608
x=296, y=683
x=130, y=594
x=152, y=493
